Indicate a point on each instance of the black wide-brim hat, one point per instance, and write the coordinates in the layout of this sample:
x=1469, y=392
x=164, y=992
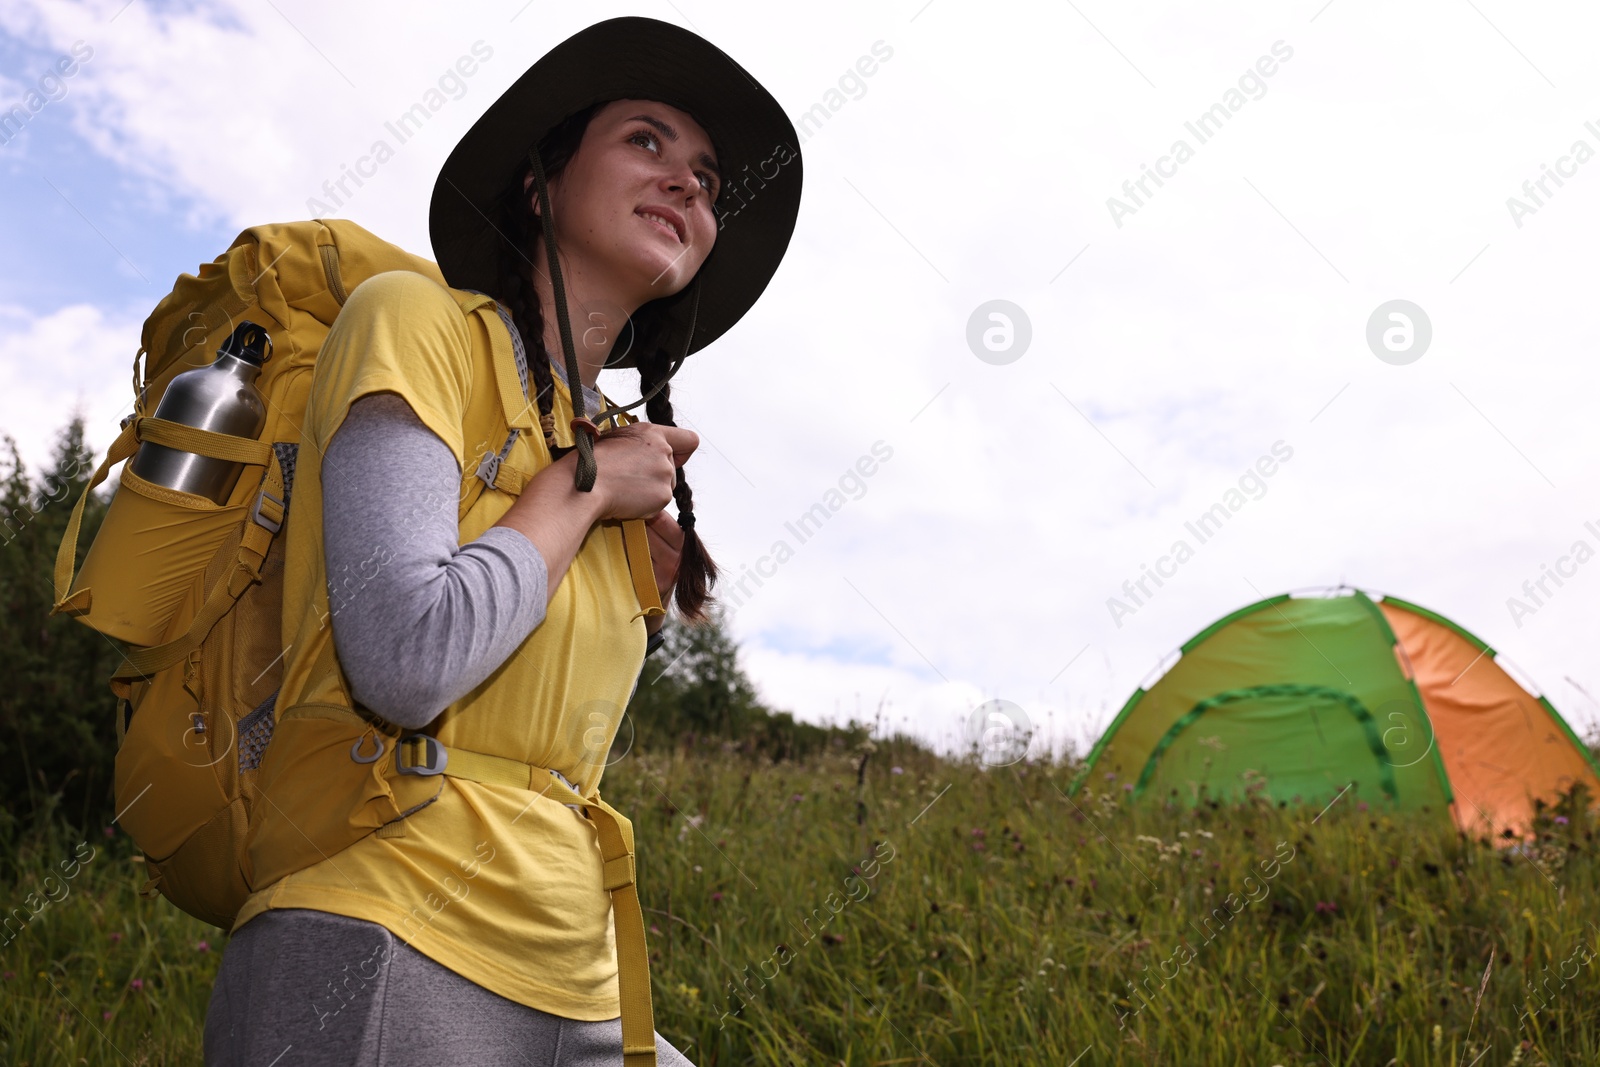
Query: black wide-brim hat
x=644, y=59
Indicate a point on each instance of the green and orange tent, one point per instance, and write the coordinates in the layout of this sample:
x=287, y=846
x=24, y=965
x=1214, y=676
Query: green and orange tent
x=1307, y=699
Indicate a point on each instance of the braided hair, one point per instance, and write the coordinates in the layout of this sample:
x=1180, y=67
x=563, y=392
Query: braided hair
x=523, y=228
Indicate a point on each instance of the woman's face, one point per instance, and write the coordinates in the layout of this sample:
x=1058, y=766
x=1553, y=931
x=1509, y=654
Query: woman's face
x=638, y=159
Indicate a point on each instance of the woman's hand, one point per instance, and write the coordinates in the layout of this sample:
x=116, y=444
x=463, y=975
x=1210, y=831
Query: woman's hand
x=666, y=549
x=638, y=469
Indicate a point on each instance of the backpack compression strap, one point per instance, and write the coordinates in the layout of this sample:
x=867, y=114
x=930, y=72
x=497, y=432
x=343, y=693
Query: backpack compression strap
x=423, y=754
x=67, y=555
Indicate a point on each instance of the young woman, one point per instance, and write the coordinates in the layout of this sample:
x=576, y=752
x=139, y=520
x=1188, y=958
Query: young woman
x=484, y=912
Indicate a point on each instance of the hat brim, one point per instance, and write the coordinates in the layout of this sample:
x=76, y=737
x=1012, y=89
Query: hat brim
x=645, y=59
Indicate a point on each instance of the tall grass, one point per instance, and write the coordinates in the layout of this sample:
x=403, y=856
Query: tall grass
x=888, y=907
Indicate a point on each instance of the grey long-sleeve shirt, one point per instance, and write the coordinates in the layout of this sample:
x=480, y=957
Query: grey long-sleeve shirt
x=419, y=619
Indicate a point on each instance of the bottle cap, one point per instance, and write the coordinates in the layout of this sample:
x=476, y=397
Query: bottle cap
x=248, y=342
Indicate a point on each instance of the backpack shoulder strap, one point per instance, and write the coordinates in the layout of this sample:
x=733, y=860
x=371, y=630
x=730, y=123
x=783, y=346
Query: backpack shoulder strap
x=515, y=406
x=492, y=470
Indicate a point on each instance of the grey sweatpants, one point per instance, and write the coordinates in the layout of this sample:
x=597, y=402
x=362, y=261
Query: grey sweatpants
x=299, y=988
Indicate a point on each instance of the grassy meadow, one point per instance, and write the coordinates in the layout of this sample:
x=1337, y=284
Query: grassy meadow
x=884, y=906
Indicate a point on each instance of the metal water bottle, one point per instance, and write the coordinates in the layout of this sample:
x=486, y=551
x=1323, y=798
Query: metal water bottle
x=221, y=397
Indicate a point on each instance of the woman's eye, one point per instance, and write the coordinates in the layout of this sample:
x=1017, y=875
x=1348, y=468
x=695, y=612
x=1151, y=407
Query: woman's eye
x=707, y=182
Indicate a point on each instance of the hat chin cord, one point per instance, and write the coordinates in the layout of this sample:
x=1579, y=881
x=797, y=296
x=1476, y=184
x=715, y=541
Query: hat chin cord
x=584, y=429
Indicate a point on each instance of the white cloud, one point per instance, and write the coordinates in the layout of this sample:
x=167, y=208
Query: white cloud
x=75, y=358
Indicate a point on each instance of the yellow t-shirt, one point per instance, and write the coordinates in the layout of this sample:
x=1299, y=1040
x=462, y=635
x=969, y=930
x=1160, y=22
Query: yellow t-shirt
x=499, y=884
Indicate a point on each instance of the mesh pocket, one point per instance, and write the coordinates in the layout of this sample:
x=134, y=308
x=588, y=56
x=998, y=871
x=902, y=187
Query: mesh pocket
x=287, y=455
x=255, y=730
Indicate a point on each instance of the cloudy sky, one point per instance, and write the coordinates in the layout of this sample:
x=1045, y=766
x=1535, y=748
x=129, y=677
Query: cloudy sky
x=1173, y=312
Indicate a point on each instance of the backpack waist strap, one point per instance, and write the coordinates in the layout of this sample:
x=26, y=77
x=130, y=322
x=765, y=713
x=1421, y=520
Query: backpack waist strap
x=423, y=754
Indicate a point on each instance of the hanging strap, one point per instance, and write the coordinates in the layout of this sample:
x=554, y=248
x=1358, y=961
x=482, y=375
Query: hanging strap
x=636, y=542
x=423, y=754
x=67, y=555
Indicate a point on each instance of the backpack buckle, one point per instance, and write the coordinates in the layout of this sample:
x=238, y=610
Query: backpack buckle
x=272, y=525
x=407, y=750
x=489, y=469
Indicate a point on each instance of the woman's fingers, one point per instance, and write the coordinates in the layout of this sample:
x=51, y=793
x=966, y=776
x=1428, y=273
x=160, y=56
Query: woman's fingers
x=683, y=443
x=639, y=468
x=666, y=548
x=680, y=443
x=663, y=527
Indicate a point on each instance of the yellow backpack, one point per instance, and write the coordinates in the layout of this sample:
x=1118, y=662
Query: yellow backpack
x=196, y=588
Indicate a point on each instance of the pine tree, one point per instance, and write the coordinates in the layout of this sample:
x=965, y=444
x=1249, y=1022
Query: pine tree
x=693, y=691
x=55, y=707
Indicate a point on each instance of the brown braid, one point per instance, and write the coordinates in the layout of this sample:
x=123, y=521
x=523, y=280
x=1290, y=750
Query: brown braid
x=519, y=222
x=697, y=572
x=528, y=320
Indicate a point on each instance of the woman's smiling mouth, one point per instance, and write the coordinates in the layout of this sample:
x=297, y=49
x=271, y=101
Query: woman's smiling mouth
x=664, y=221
